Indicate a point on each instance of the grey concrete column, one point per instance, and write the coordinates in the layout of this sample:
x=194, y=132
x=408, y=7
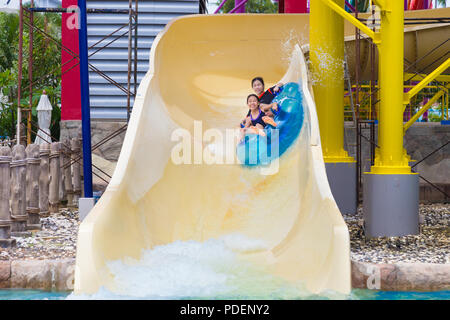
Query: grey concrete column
x=33, y=173
x=391, y=204
x=18, y=192
x=55, y=175
x=342, y=180
x=5, y=195
x=44, y=180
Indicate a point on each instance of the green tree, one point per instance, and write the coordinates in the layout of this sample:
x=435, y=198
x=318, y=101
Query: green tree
x=252, y=6
x=46, y=68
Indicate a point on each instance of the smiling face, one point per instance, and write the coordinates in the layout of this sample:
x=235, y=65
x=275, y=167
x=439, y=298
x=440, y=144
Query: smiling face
x=258, y=87
x=253, y=103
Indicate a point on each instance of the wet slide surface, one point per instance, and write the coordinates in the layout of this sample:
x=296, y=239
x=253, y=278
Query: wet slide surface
x=174, y=224
x=282, y=223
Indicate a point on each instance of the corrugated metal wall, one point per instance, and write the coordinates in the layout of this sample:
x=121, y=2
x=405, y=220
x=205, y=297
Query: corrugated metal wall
x=107, y=101
x=46, y=3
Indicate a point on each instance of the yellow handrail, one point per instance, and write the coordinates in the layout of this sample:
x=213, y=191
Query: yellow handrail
x=358, y=24
x=422, y=110
x=432, y=76
x=421, y=76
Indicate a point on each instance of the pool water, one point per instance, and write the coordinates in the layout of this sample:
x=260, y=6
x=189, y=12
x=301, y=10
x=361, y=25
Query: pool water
x=19, y=294
x=360, y=294
x=357, y=294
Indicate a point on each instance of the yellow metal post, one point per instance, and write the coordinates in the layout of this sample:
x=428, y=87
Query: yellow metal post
x=391, y=158
x=327, y=57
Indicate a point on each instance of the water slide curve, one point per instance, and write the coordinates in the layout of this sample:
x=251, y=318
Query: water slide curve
x=199, y=77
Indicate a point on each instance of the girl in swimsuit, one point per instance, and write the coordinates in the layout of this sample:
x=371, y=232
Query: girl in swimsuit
x=266, y=97
x=254, y=122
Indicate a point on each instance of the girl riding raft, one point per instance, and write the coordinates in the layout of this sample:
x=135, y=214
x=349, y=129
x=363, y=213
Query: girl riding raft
x=254, y=123
x=265, y=98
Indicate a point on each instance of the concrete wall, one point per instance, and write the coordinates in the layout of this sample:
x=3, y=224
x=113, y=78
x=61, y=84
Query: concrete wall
x=99, y=130
x=420, y=140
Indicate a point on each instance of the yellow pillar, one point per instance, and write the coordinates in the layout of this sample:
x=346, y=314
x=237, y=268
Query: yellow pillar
x=326, y=42
x=390, y=157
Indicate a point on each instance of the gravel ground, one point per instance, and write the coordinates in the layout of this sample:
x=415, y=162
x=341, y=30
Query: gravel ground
x=58, y=237
x=431, y=246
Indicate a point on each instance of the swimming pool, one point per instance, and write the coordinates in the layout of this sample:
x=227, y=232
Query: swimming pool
x=357, y=294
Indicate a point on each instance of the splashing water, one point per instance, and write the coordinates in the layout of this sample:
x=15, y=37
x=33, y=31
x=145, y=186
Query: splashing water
x=198, y=270
x=328, y=65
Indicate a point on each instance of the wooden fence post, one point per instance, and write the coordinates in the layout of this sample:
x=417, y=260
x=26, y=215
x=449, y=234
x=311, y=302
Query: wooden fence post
x=5, y=192
x=68, y=172
x=18, y=198
x=55, y=168
x=62, y=186
x=44, y=180
x=76, y=149
x=33, y=173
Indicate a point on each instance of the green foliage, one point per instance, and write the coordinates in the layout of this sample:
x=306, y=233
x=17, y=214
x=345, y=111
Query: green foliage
x=46, y=68
x=7, y=112
x=252, y=6
x=9, y=33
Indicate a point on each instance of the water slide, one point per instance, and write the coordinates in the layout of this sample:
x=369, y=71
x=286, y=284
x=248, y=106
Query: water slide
x=282, y=216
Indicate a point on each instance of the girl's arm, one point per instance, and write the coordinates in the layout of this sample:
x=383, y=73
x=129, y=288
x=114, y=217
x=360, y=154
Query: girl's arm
x=248, y=122
x=278, y=86
x=265, y=107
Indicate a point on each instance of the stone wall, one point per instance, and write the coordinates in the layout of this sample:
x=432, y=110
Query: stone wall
x=59, y=275
x=104, y=157
x=420, y=140
x=99, y=130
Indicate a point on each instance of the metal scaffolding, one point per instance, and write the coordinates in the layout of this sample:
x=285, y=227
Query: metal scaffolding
x=26, y=17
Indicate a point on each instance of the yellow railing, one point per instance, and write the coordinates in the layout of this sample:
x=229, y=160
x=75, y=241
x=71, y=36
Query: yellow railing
x=423, y=109
x=422, y=84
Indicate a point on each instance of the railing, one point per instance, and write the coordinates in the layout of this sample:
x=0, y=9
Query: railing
x=436, y=93
x=239, y=6
x=35, y=181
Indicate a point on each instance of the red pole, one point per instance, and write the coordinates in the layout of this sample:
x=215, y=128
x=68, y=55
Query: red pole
x=296, y=6
x=19, y=83
x=280, y=6
x=30, y=73
x=70, y=78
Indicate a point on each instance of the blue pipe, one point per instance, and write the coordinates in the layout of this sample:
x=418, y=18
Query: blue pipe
x=85, y=105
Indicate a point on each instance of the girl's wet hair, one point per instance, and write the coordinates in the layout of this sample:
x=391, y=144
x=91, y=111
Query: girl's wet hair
x=258, y=79
x=253, y=95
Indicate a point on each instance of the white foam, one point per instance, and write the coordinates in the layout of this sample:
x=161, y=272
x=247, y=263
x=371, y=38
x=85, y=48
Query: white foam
x=239, y=243
x=191, y=269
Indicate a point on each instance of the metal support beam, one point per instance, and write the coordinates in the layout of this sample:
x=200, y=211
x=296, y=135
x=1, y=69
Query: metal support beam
x=327, y=43
x=85, y=103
